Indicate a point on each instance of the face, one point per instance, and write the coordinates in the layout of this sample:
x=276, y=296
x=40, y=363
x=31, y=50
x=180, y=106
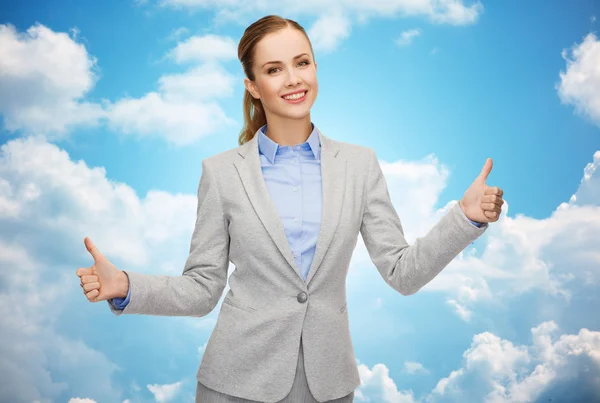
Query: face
x=289, y=74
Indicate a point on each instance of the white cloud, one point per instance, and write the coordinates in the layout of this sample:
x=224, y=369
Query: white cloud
x=201, y=350
x=453, y=12
x=580, y=83
x=205, y=48
x=461, y=310
x=54, y=199
x=202, y=83
x=38, y=363
x=411, y=367
x=75, y=200
x=377, y=385
x=184, y=108
x=407, y=37
x=588, y=192
x=328, y=31
x=496, y=371
x=181, y=123
x=165, y=393
x=177, y=33
x=44, y=76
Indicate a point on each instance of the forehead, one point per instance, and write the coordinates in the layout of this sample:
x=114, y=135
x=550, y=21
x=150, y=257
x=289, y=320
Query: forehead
x=281, y=45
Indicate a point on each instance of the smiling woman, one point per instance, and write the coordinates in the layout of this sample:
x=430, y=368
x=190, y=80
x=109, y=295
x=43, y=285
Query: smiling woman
x=281, y=87
x=286, y=207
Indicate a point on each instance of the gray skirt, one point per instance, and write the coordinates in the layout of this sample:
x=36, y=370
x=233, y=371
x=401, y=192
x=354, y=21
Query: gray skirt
x=299, y=393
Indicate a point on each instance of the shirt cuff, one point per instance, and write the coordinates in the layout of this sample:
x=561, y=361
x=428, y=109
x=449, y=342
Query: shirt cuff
x=121, y=303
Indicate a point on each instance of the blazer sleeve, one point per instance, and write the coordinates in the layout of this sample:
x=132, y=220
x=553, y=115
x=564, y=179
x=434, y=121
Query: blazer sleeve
x=197, y=291
x=407, y=268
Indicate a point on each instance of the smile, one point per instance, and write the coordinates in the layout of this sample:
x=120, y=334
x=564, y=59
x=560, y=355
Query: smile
x=296, y=98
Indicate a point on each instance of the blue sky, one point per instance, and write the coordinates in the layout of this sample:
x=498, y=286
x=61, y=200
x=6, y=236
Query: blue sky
x=107, y=112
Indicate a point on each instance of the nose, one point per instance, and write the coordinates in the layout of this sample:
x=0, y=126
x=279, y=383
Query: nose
x=292, y=79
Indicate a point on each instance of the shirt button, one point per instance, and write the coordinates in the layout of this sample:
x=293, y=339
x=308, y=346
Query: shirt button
x=295, y=189
x=296, y=219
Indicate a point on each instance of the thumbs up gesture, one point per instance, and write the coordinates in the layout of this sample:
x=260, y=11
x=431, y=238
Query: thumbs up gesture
x=482, y=203
x=103, y=280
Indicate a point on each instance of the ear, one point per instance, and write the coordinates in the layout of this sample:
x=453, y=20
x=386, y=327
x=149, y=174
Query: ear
x=251, y=88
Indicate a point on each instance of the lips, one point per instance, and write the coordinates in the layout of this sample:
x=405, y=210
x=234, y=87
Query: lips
x=298, y=100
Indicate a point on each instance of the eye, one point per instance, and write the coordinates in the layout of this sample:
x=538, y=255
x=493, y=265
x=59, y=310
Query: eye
x=272, y=69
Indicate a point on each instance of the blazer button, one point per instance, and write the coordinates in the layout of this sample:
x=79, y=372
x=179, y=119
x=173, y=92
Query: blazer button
x=302, y=297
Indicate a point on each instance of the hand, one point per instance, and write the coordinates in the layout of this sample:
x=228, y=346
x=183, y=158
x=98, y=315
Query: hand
x=482, y=203
x=103, y=280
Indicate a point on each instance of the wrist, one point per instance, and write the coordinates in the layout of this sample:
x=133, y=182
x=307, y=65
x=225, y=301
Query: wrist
x=123, y=282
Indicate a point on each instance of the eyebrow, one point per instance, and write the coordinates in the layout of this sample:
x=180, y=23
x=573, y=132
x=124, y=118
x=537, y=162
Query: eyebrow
x=278, y=61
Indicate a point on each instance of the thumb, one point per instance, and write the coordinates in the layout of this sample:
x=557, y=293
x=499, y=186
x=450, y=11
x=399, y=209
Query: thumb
x=487, y=167
x=92, y=249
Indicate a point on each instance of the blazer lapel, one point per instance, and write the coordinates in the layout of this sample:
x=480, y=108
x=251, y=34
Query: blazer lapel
x=333, y=169
x=333, y=179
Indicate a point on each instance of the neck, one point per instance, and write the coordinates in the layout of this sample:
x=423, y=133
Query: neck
x=289, y=132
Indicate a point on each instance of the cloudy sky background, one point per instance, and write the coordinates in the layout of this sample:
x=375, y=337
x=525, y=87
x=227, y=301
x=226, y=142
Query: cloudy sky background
x=107, y=110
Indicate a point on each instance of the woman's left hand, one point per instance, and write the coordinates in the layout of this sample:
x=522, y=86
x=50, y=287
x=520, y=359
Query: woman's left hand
x=482, y=203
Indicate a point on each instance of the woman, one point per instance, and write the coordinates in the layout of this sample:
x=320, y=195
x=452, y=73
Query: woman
x=286, y=207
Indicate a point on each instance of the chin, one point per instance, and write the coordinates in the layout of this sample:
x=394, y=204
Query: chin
x=298, y=112
x=298, y=115
x=294, y=113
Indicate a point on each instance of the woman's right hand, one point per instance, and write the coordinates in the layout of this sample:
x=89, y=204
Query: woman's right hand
x=103, y=280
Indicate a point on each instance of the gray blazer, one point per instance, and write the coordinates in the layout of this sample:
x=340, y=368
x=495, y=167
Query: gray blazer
x=253, y=349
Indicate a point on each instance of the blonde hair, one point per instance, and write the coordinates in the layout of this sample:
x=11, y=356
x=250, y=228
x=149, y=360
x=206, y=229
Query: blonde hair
x=254, y=114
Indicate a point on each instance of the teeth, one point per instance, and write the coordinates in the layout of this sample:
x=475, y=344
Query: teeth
x=296, y=96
